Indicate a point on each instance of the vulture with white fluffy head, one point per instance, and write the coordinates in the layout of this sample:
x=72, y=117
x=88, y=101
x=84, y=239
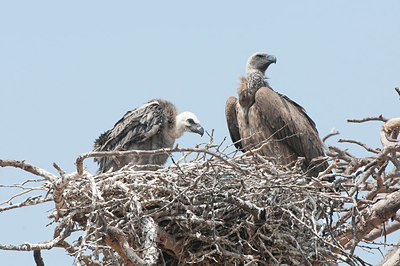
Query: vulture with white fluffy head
x=270, y=123
x=154, y=125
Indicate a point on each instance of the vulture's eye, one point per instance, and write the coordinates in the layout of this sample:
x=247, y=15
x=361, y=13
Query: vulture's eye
x=190, y=121
x=259, y=55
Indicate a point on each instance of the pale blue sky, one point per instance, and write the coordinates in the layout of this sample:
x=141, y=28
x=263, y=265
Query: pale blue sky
x=69, y=71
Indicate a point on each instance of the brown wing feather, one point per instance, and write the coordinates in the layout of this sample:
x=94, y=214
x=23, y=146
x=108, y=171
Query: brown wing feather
x=293, y=125
x=146, y=127
x=231, y=119
x=135, y=126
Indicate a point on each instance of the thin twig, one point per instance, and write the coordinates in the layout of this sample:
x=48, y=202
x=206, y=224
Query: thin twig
x=360, y=144
x=397, y=90
x=332, y=133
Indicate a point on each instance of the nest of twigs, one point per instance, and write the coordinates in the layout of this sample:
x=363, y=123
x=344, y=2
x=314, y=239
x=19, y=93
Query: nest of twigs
x=211, y=207
x=213, y=210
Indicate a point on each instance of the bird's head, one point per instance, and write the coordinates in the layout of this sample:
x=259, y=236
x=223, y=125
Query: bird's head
x=260, y=62
x=187, y=122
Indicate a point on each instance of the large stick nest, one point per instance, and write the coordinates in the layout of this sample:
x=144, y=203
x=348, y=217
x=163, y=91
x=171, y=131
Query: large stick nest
x=210, y=207
x=214, y=210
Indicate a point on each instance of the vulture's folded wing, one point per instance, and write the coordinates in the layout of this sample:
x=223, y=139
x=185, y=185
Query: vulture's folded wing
x=136, y=126
x=290, y=122
x=231, y=119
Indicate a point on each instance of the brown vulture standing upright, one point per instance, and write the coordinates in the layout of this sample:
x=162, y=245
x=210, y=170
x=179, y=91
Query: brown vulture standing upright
x=263, y=118
x=154, y=125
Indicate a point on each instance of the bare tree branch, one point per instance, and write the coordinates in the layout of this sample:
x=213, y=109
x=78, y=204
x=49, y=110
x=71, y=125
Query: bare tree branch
x=370, y=118
x=44, y=245
x=28, y=168
x=383, y=230
x=332, y=133
x=116, y=239
x=358, y=143
x=371, y=218
x=27, y=202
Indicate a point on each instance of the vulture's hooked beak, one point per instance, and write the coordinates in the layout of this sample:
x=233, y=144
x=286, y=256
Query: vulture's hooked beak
x=271, y=59
x=196, y=128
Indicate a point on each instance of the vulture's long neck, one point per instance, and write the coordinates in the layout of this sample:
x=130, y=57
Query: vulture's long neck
x=256, y=80
x=247, y=92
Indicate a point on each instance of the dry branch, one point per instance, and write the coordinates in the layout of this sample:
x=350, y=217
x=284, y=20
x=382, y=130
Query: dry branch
x=360, y=144
x=117, y=240
x=39, y=246
x=370, y=118
x=29, y=168
x=383, y=230
x=27, y=202
x=371, y=218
